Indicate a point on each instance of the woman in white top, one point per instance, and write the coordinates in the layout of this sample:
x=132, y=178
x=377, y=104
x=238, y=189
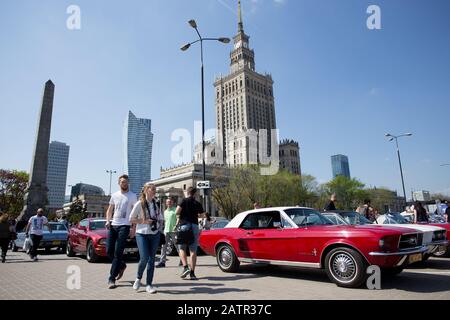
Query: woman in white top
x=149, y=225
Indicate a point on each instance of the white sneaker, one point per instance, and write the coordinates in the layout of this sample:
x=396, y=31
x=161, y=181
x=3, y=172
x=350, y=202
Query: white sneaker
x=137, y=284
x=151, y=289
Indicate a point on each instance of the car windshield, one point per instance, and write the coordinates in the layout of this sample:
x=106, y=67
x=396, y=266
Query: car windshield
x=394, y=218
x=56, y=227
x=335, y=218
x=98, y=224
x=307, y=217
x=354, y=218
x=220, y=224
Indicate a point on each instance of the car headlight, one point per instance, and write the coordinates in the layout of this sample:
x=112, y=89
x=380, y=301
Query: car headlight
x=388, y=243
x=102, y=241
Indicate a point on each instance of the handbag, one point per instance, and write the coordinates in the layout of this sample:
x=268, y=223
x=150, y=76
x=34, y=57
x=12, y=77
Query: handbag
x=184, y=234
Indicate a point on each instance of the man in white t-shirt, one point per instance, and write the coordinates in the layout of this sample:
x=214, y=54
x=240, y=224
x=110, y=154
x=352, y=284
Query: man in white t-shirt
x=35, y=228
x=118, y=224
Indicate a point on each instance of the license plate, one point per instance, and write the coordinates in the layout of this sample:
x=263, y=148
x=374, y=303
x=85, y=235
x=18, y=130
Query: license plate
x=56, y=242
x=130, y=250
x=415, y=257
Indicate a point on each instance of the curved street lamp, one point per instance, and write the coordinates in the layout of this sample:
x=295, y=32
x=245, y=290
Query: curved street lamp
x=110, y=177
x=193, y=24
x=394, y=137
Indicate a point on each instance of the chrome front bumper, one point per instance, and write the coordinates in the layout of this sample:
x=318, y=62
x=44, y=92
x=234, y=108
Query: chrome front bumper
x=434, y=246
x=421, y=249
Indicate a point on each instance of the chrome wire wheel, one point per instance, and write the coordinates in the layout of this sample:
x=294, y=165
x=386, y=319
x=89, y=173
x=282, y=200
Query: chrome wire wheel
x=225, y=257
x=343, y=266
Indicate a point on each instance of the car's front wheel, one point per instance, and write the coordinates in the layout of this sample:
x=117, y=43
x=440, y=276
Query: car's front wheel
x=226, y=258
x=91, y=256
x=346, y=267
x=69, y=250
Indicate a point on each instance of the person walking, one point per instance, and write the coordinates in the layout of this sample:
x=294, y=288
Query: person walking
x=149, y=226
x=35, y=230
x=331, y=205
x=420, y=214
x=188, y=213
x=170, y=221
x=118, y=225
x=5, y=235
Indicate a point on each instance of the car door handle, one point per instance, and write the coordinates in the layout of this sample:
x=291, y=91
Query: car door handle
x=249, y=232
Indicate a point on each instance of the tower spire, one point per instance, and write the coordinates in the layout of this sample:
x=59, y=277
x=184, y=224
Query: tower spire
x=240, y=24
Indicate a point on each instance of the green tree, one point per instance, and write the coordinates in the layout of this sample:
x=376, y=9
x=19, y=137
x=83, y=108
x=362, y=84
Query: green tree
x=77, y=211
x=381, y=199
x=247, y=186
x=349, y=191
x=12, y=190
x=440, y=196
x=309, y=191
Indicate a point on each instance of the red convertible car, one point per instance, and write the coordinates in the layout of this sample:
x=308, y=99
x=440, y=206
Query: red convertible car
x=89, y=237
x=305, y=238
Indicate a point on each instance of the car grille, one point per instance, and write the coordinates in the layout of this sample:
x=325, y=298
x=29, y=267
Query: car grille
x=408, y=241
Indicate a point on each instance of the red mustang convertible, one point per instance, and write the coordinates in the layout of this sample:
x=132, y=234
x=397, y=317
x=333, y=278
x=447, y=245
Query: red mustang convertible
x=89, y=237
x=303, y=237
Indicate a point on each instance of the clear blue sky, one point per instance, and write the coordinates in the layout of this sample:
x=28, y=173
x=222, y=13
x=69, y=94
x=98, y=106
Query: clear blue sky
x=338, y=86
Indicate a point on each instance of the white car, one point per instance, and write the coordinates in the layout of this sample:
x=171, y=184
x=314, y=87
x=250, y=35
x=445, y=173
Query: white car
x=434, y=237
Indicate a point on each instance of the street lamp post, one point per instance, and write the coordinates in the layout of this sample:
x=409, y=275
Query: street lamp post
x=193, y=24
x=393, y=137
x=110, y=178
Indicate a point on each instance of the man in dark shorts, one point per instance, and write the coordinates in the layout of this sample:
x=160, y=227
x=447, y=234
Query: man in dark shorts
x=188, y=213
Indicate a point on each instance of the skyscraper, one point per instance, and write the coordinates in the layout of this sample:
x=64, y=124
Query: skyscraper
x=58, y=158
x=339, y=165
x=36, y=192
x=138, y=144
x=244, y=104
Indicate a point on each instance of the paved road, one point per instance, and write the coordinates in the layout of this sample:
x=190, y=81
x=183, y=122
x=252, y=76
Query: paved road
x=21, y=278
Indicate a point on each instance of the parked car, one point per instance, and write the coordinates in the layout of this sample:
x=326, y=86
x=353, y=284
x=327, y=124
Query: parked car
x=218, y=223
x=434, y=238
x=55, y=239
x=89, y=237
x=303, y=237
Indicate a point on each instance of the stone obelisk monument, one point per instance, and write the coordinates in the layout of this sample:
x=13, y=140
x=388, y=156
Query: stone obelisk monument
x=36, y=193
